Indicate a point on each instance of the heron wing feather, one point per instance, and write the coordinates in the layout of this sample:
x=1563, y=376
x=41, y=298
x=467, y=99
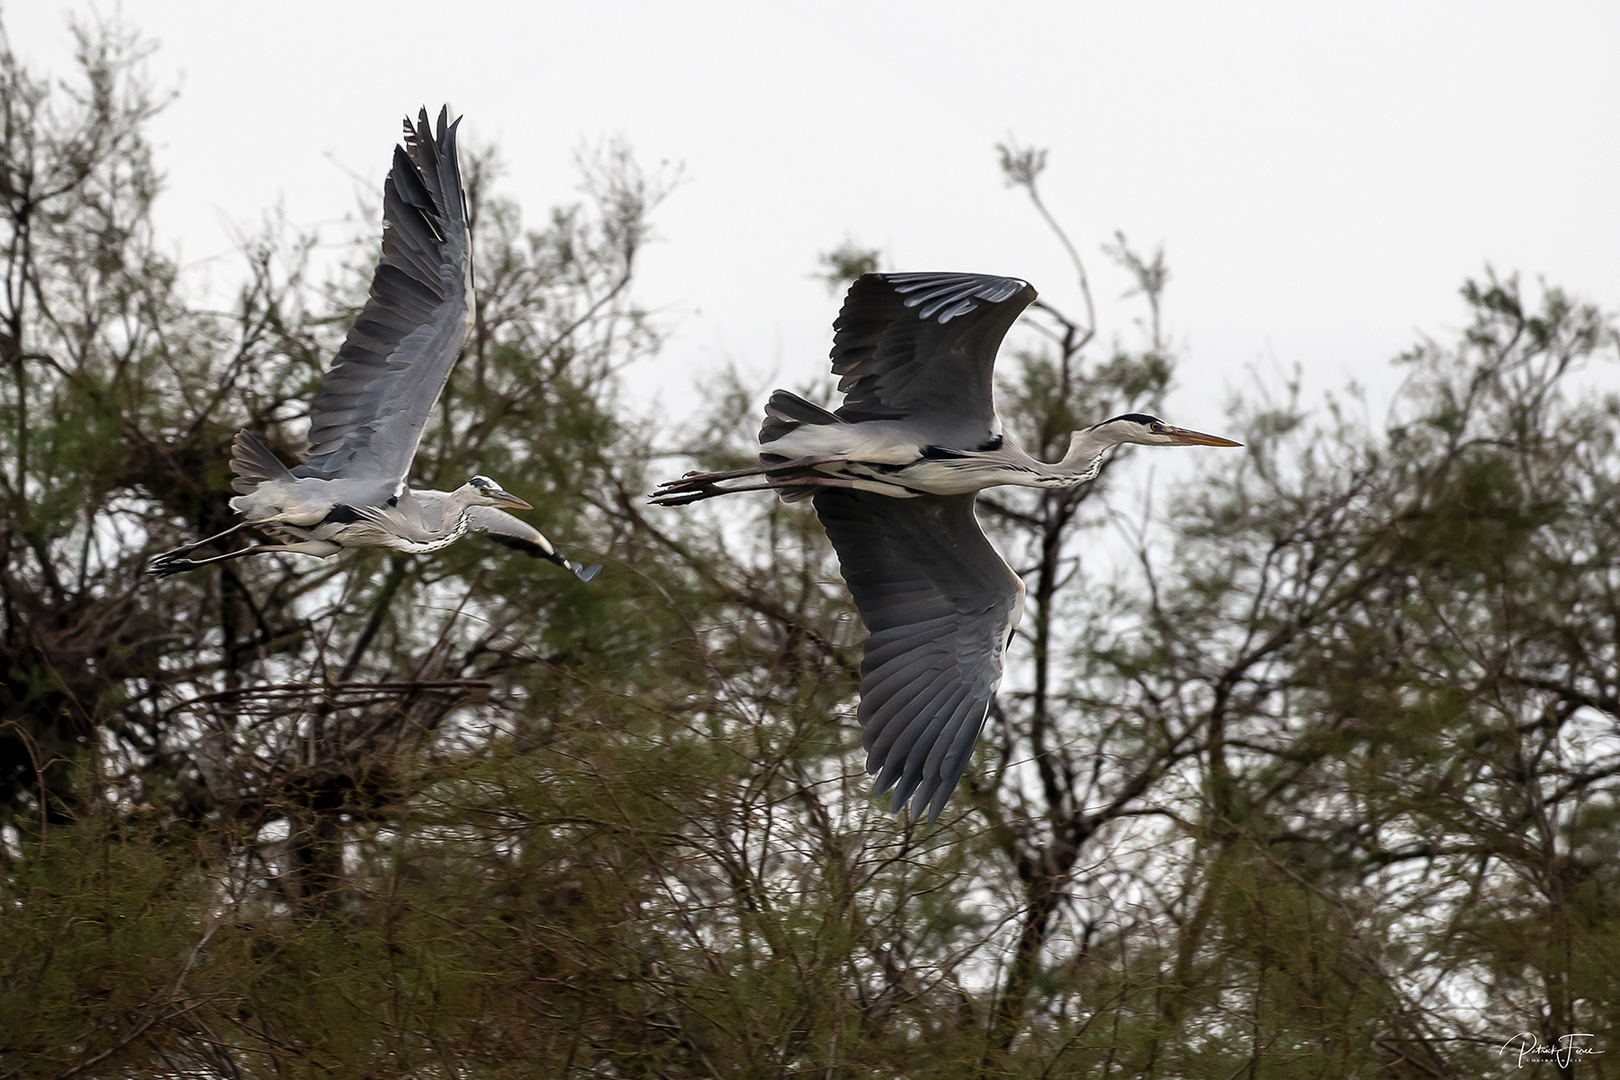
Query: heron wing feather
x=938, y=602
x=923, y=347
x=416, y=517
x=376, y=398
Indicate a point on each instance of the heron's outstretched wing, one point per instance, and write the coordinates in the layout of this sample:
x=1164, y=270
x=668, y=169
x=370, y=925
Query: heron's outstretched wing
x=519, y=535
x=940, y=605
x=375, y=400
x=923, y=346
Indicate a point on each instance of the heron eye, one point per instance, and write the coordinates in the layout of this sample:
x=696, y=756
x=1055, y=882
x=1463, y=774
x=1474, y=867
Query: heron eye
x=1155, y=426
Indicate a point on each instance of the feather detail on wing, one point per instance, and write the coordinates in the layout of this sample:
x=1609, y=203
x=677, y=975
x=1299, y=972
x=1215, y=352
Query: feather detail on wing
x=940, y=605
x=923, y=346
x=376, y=398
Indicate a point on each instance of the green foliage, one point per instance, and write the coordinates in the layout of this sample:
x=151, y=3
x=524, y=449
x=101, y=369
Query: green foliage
x=847, y=262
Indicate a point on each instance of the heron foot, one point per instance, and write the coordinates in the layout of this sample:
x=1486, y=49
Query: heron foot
x=170, y=563
x=671, y=495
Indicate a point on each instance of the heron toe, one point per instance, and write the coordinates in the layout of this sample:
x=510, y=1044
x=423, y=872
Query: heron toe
x=167, y=565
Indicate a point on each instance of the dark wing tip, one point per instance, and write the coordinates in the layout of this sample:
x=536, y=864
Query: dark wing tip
x=424, y=145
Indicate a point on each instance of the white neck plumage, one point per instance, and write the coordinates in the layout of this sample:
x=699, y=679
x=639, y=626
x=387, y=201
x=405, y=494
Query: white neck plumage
x=458, y=529
x=1083, y=461
x=450, y=527
x=464, y=496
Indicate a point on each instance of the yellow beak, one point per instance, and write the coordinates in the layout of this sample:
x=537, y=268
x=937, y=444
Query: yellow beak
x=1183, y=437
x=508, y=499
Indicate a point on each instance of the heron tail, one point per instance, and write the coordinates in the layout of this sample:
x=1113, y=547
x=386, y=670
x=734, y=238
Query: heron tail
x=253, y=464
x=784, y=412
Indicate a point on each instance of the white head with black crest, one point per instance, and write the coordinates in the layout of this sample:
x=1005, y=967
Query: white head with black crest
x=1147, y=430
x=482, y=491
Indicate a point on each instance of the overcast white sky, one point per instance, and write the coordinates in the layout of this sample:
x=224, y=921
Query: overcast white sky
x=1323, y=177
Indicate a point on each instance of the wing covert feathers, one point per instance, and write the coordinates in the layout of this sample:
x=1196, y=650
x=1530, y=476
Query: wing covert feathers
x=924, y=343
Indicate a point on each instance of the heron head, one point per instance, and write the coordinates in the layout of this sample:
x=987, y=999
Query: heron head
x=488, y=493
x=1151, y=431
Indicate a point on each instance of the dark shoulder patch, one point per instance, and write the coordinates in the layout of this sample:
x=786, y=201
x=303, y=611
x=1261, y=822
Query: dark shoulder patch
x=936, y=453
x=341, y=514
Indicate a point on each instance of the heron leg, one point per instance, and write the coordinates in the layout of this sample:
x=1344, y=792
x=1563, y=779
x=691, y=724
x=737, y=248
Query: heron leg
x=692, y=495
x=692, y=478
x=695, y=486
x=170, y=562
x=195, y=544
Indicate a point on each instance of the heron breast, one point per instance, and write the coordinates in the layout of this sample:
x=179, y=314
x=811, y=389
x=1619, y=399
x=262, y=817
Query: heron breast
x=457, y=530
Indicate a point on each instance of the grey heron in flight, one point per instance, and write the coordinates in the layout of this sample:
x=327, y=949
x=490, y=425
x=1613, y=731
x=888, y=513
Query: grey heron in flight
x=894, y=473
x=376, y=398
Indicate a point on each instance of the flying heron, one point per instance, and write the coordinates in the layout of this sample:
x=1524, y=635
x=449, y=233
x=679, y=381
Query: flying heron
x=894, y=473
x=376, y=398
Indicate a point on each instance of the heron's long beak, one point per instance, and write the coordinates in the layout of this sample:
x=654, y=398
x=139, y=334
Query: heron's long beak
x=1183, y=437
x=509, y=499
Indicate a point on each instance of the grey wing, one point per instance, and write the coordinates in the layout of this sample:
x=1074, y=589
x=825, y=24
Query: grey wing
x=376, y=398
x=940, y=605
x=519, y=535
x=923, y=347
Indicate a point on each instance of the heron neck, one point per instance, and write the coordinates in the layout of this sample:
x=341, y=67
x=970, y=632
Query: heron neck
x=456, y=507
x=1086, y=445
x=1084, y=458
